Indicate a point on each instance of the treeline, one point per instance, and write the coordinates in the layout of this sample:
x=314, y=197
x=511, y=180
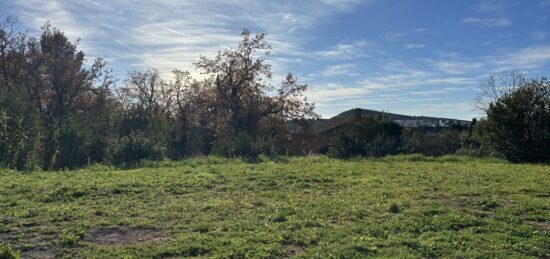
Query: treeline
x=517, y=127
x=60, y=110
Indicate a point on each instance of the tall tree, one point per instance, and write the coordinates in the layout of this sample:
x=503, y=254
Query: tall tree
x=66, y=84
x=244, y=96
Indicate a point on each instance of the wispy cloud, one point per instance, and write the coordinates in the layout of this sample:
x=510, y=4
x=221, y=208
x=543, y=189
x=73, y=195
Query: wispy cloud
x=392, y=35
x=354, y=50
x=439, y=91
x=539, y=35
x=488, y=22
x=345, y=4
x=492, y=6
x=414, y=46
x=172, y=34
x=458, y=67
x=340, y=69
x=397, y=79
x=527, y=58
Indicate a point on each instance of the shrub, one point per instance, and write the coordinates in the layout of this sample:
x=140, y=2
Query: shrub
x=7, y=252
x=241, y=145
x=19, y=133
x=431, y=142
x=133, y=148
x=518, y=124
x=371, y=137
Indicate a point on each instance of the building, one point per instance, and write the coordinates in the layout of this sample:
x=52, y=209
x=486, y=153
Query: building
x=315, y=137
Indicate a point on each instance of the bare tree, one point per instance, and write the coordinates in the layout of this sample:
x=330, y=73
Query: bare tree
x=148, y=89
x=496, y=86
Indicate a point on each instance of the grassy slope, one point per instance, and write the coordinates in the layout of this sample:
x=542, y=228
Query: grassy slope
x=302, y=206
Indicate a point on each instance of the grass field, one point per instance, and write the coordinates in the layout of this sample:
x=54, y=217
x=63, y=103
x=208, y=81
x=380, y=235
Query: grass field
x=406, y=206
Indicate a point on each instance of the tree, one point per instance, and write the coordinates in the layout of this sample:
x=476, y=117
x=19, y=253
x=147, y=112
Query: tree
x=191, y=130
x=497, y=85
x=518, y=123
x=65, y=84
x=147, y=88
x=244, y=98
x=13, y=47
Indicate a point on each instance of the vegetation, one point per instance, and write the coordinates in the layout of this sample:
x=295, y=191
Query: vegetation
x=434, y=141
x=368, y=136
x=518, y=123
x=397, y=206
x=56, y=112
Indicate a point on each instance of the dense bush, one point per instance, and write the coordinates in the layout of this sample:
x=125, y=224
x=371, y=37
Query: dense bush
x=19, y=132
x=518, y=124
x=475, y=142
x=432, y=142
x=241, y=145
x=370, y=137
x=7, y=252
x=142, y=135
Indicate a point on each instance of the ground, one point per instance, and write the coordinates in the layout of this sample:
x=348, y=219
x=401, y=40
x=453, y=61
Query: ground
x=404, y=206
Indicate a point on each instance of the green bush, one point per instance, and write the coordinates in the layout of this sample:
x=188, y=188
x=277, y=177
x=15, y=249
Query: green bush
x=7, y=252
x=518, y=124
x=19, y=133
x=133, y=148
x=370, y=137
x=241, y=145
x=431, y=142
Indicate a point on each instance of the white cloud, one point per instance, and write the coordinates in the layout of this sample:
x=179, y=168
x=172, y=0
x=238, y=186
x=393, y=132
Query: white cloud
x=539, y=35
x=350, y=51
x=414, y=46
x=488, y=22
x=527, y=58
x=344, y=4
x=392, y=35
x=438, y=91
x=338, y=70
x=492, y=6
x=457, y=67
x=172, y=34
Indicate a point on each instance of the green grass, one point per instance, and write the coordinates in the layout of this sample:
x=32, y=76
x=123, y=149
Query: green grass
x=403, y=206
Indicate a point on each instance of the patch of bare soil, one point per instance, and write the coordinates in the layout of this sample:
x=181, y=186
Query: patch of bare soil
x=46, y=253
x=541, y=225
x=121, y=236
x=32, y=245
x=293, y=250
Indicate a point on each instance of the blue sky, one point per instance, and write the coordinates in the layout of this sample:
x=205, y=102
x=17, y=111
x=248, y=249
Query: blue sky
x=421, y=57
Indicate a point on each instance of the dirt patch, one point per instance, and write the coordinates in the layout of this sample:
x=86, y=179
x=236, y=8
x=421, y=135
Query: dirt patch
x=121, y=236
x=293, y=250
x=32, y=245
x=541, y=225
x=45, y=253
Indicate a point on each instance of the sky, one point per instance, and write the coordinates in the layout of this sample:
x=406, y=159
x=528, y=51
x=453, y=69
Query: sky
x=414, y=57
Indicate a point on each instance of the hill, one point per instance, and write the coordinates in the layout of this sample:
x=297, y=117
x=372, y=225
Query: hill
x=406, y=120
